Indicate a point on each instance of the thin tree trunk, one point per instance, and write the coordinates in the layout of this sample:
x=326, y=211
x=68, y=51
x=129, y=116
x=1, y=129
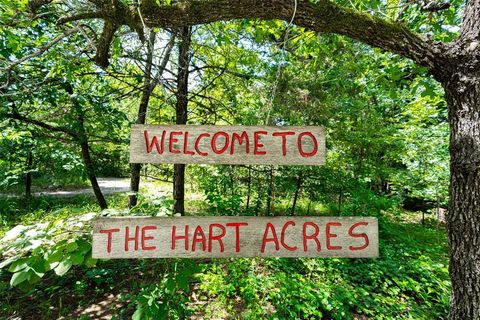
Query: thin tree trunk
x=148, y=87
x=271, y=193
x=181, y=110
x=90, y=168
x=87, y=159
x=464, y=206
x=28, y=176
x=142, y=114
x=231, y=173
x=297, y=192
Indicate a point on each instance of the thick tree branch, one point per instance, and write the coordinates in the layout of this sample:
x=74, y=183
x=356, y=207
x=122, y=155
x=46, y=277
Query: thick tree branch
x=323, y=16
x=15, y=115
x=103, y=44
x=471, y=28
x=34, y=5
x=80, y=16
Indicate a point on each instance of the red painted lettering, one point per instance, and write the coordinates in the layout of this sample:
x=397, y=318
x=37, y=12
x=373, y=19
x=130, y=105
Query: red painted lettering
x=329, y=235
x=174, y=140
x=109, y=232
x=145, y=237
x=218, y=238
x=240, y=138
x=257, y=145
x=175, y=237
x=214, y=142
x=282, y=236
x=300, y=147
x=272, y=239
x=284, y=135
x=199, y=236
x=160, y=148
x=134, y=238
x=358, y=235
x=313, y=236
x=237, y=226
x=185, y=145
x=197, y=143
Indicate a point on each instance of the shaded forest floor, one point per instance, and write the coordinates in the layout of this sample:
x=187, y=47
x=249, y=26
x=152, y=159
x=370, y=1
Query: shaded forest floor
x=408, y=281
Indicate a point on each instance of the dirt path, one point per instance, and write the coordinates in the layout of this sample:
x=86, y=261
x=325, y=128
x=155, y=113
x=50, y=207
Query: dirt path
x=108, y=186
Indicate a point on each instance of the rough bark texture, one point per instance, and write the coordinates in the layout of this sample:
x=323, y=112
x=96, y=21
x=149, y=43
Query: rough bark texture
x=464, y=207
x=181, y=109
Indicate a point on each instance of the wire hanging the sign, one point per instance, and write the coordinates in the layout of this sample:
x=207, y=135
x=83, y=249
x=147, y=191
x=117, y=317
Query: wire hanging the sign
x=279, y=69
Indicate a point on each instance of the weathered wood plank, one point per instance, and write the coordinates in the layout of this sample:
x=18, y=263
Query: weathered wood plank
x=227, y=144
x=222, y=237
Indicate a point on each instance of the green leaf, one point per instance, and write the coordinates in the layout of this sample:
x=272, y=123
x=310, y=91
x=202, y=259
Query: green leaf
x=55, y=256
x=77, y=258
x=19, y=277
x=63, y=267
x=10, y=260
x=90, y=262
x=72, y=246
x=18, y=265
x=138, y=314
x=83, y=246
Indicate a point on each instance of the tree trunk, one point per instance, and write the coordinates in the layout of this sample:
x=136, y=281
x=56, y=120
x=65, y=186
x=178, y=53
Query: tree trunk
x=142, y=114
x=87, y=160
x=181, y=110
x=82, y=139
x=463, y=96
x=297, y=192
x=28, y=176
x=148, y=87
x=271, y=193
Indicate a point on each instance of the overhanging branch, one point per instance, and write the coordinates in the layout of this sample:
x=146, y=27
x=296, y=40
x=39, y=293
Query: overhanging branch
x=15, y=115
x=323, y=16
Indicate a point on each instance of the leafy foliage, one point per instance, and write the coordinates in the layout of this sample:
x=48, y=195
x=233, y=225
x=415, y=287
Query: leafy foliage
x=387, y=139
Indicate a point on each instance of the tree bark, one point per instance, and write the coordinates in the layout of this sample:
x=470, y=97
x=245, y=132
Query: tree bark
x=463, y=96
x=181, y=112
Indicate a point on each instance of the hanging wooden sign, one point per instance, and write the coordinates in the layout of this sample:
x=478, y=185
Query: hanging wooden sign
x=227, y=145
x=223, y=237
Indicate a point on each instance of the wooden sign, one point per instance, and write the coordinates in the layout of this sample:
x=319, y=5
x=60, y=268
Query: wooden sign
x=222, y=237
x=227, y=145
